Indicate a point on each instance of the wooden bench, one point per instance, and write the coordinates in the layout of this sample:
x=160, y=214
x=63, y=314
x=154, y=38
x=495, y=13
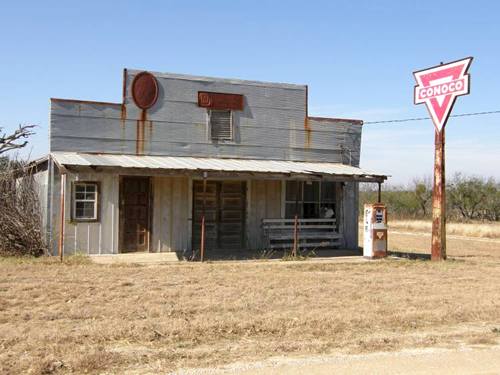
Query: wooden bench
x=311, y=233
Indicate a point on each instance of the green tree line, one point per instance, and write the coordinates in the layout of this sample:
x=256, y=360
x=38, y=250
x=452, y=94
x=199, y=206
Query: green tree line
x=468, y=198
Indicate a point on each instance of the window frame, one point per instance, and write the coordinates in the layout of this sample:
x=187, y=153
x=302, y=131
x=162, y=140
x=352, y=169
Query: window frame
x=317, y=200
x=97, y=202
x=231, y=125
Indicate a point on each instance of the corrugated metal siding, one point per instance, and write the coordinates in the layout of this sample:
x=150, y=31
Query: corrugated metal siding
x=270, y=127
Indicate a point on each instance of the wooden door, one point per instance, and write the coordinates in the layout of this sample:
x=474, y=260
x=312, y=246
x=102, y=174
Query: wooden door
x=134, y=214
x=232, y=204
x=211, y=214
x=225, y=203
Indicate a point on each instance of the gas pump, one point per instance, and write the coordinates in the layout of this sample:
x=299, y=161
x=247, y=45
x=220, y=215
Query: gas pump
x=375, y=230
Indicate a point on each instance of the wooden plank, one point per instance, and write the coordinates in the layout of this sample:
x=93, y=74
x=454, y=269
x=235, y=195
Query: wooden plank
x=300, y=226
x=305, y=236
x=305, y=245
x=301, y=220
x=273, y=199
x=162, y=200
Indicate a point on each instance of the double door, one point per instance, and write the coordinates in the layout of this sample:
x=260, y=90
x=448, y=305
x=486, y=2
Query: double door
x=223, y=203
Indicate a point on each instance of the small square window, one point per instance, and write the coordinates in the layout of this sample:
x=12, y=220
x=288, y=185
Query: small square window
x=85, y=201
x=221, y=125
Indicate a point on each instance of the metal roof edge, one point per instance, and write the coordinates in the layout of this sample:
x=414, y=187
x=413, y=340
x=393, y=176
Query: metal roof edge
x=189, y=77
x=336, y=119
x=79, y=101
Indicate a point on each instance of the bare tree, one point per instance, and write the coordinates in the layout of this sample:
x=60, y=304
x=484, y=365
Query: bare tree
x=21, y=230
x=15, y=140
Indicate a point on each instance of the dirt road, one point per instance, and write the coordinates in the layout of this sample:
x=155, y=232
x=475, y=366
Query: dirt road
x=409, y=362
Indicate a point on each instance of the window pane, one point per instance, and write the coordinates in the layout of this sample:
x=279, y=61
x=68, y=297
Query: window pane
x=291, y=208
x=311, y=210
x=79, y=188
x=311, y=191
x=88, y=210
x=78, y=212
x=328, y=191
x=90, y=196
x=79, y=195
x=89, y=188
x=292, y=192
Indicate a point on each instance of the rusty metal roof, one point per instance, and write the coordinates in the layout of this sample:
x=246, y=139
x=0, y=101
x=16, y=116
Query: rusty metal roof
x=215, y=165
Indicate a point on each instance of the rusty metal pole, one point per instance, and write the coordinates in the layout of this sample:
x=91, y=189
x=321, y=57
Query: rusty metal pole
x=202, y=244
x=61, y=217
x=438, y=246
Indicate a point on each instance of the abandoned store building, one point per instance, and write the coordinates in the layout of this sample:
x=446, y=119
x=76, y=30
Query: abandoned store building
x=236, y=165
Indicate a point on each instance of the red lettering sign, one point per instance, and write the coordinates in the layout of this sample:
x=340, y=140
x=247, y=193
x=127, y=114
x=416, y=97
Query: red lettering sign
x=438, y=88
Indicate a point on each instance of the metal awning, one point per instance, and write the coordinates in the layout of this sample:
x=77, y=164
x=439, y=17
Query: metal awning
x=221, y=165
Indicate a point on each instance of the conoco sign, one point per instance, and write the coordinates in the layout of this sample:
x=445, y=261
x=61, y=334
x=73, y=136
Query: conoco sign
x=145, y=90
x=438, y=87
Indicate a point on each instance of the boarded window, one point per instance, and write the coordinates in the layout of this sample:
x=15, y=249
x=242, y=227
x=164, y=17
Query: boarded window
x=85, y=197
x=221, y=125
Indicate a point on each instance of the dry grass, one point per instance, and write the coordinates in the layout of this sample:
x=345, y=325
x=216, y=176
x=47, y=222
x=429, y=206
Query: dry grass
x=477, y=229
x=86, y=318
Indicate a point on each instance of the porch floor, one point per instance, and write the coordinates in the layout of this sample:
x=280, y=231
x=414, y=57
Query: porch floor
x=146, y=258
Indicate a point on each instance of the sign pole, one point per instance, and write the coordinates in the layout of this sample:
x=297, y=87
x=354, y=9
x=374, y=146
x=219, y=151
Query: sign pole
x=438, y=247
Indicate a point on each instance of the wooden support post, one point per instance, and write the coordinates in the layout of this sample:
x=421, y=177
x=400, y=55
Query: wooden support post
x=61, y=217
x=295, y=226
x=438, y=247
x=295, y=236
x=379, y=195
x=202, y=244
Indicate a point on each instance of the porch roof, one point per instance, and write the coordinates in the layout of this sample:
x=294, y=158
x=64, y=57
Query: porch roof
x=202, y=164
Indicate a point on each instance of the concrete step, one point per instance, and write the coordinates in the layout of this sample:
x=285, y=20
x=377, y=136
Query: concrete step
x=137, y=258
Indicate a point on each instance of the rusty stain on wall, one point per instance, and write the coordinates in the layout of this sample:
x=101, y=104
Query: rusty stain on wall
x=141, y=123
x=150, y=133
x=307, y=127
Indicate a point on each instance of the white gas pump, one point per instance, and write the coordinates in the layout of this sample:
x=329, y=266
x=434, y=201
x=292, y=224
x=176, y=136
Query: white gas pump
x=375, y=230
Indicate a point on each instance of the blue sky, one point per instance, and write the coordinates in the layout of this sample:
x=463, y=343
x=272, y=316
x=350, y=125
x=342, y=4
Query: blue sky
x=356, y=56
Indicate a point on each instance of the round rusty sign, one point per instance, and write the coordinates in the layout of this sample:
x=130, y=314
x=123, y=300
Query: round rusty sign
x=145, y=90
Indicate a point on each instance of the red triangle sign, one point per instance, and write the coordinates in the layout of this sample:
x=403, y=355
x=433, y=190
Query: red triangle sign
x=439, y=86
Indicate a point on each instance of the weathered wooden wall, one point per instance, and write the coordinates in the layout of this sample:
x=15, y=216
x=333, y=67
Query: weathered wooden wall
x=42, y=184
x=350, y=215
x=171, y=224
x=264, y=202
x=94, y=237
x=171, y=214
